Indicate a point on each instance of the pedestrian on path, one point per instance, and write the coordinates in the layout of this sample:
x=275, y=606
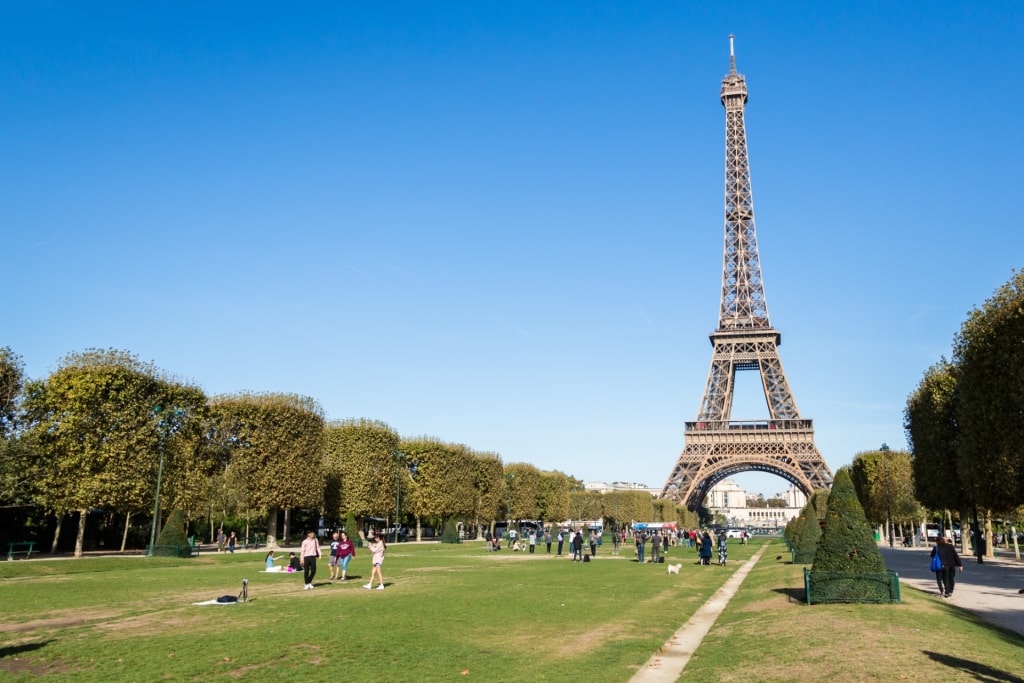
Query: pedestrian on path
x=946, y=575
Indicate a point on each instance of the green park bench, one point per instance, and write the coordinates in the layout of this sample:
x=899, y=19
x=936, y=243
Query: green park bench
x=20, y=547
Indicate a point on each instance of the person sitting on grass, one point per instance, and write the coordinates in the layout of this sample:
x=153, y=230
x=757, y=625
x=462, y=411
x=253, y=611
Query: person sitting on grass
x=293, y=563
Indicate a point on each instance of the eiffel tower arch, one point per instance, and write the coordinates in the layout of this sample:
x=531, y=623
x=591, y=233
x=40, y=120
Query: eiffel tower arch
x=716, y=446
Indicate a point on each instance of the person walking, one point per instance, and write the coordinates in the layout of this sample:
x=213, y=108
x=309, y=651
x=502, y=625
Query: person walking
x=376, y=546
x=723, y=548
x=345, y=552
x=950, y=561
x=222, y=540
x=511, y=538
x=309, y=553
x=232, y=540
x=616, y=539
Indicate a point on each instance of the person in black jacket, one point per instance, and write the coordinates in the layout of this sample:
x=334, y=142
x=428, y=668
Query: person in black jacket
x=946, y=577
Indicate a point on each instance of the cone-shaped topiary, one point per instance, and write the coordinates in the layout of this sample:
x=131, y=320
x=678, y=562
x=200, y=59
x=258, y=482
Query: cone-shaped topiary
x=450, y=533
x=352, y=529
x=808, y=535
x=173, y=532
x=172, y=537
x=847, y=541
x=848, y=566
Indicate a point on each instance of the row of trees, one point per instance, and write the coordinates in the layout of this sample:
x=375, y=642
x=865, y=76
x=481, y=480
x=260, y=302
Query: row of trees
x=965, y=420
x=106, y=431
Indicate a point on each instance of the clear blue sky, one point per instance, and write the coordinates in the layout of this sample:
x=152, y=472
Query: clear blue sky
x=500, y=224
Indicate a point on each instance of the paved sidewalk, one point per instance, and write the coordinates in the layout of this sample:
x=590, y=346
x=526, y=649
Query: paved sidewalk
x=990, y=590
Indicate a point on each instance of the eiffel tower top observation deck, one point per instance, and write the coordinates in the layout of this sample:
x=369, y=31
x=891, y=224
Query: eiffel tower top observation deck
x=717, y=446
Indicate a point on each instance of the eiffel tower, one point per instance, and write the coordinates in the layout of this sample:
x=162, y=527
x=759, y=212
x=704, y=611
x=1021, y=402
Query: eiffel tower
x=717, y=447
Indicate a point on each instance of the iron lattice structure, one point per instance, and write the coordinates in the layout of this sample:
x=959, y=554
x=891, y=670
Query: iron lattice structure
x=717, y=447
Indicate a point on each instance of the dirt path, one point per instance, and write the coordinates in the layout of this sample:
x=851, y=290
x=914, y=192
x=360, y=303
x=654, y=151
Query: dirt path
x=667, y=664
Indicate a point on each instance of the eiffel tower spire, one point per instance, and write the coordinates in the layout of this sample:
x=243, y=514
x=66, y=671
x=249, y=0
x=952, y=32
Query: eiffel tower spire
x=717, y=446
x=743, y=302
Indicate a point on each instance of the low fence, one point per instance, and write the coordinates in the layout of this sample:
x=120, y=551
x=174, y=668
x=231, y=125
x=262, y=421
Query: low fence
x=832, y=587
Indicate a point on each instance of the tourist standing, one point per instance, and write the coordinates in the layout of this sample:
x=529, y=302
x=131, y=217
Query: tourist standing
x=640, y=540
x=705, y=548
x=309, y=552
x=655, y=548
x=561, y=540
x=533, y=540
x=332, y=557
x=723, y=550
x=376, y=546
x=577, y=547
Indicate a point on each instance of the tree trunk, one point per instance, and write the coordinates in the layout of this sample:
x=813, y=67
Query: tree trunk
x=272, y=528
x=80, y=538
x=989, y=550
x=56, y=533
x=419, y=529
x=287, y=523
x=124, y=538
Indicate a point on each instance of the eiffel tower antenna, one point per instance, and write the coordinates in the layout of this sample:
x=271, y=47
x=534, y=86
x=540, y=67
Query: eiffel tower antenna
x=716, y=446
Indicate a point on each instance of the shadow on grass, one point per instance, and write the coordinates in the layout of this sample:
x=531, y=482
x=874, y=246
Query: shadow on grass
x=977, y=670
x=24, y=647
x=794, y=594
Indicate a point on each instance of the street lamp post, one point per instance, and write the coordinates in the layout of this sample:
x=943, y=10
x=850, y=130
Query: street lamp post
x=888, y=490
x=164, y=427
x=399, y=461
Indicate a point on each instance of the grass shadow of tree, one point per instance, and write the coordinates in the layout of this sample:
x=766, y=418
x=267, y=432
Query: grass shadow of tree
x=977, y=670
x=24, y=647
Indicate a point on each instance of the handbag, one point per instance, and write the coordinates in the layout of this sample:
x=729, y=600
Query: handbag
x=936, y=563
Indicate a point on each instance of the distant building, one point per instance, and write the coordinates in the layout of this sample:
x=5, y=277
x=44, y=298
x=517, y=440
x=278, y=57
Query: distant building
x=728, y=499
x=604, y=487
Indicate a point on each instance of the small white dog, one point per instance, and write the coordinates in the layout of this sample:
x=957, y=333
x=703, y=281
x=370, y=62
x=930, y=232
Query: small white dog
x=674, y=568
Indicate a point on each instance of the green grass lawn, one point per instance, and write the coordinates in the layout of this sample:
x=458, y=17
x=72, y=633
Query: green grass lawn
x=456, y=612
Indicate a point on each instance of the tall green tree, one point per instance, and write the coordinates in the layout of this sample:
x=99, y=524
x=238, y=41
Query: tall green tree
x=489, y=490
x=444, y=480
x=523, y=482
x=12, y=383
x=553, y=499
x=276, y=446
x=16, y=451
x=98, y=433
x=930, y=421
x=364, y=465
x=989, y=354
x=884, y=483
